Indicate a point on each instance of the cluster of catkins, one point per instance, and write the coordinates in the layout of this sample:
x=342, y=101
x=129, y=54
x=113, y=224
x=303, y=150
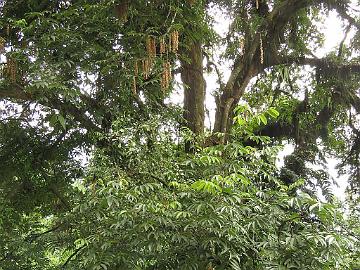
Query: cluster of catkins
x=164, y=48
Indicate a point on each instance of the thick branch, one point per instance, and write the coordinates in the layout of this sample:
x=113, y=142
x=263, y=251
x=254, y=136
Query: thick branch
x=17, y=92
x=341, y=10
x=329, y=65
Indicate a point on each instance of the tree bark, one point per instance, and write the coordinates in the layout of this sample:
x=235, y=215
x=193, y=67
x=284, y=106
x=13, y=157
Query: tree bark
x=226, y=104
x=194, y=88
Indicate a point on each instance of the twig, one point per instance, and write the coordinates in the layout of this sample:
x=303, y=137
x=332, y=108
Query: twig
x=341, y=46
x=218, y=73
x=72, y=256
x=35, y=236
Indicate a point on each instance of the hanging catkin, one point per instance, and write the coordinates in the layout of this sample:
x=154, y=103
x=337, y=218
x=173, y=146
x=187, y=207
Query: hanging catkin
x=2, y=44
x=261, y=51
x=166, y=76
x=174, y=36
x=162, y=45
x=146, y=67
x=241, y=44
x=136, y=73
x=136, y=69
x=151, y=47
x=134, y=90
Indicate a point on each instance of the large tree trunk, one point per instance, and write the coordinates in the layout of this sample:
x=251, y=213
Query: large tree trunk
x=226, y=103
x=194, y=88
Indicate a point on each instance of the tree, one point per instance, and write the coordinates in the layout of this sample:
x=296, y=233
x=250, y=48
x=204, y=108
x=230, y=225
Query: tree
x=101, y=171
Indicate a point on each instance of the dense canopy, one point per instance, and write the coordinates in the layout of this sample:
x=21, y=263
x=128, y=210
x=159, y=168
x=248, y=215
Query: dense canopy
x=102, y=169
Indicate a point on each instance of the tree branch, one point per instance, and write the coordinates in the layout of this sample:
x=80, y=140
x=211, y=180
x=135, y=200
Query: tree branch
x=17, y=92
x=324, y=63
x=341, y=46
x=72, y=256
x=35, y=236
x=341, y=10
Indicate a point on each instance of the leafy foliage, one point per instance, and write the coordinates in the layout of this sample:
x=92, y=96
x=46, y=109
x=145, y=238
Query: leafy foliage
x=100, y=170
x=223, y=207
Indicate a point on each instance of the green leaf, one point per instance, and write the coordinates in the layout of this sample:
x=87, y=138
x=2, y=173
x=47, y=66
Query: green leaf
x=61, y=120
x=263, y=119
x=273, y=112
x=244, y=180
